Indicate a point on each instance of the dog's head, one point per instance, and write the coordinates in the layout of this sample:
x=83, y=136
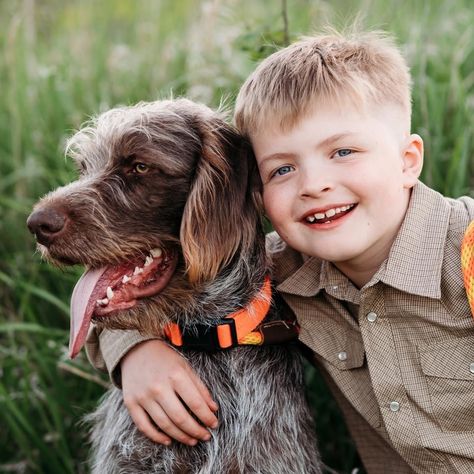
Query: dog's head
x=165, y=189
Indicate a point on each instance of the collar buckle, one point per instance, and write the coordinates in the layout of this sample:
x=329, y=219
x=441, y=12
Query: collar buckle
x=206, y=338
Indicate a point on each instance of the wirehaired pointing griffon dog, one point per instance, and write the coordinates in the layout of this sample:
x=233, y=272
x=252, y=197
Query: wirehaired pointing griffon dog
x=166, y=218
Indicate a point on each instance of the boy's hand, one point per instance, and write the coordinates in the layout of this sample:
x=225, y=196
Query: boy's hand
x=156, y=381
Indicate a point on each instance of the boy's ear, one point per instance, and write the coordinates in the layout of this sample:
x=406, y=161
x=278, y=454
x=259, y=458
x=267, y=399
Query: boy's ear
x=412, y=160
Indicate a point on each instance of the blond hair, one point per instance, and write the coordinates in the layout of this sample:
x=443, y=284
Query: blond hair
x=287, y=84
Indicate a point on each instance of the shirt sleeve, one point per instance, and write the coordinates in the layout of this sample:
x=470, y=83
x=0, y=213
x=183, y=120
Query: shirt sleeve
x=469, y=205
x=105, y=349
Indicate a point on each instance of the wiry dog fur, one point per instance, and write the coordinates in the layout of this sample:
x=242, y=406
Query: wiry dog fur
x=198, y=197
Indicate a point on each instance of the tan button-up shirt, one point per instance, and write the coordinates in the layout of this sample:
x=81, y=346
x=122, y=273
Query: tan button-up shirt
x=398, y=354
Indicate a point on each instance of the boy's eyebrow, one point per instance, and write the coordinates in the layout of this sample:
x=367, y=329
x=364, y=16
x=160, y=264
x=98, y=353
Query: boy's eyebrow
x=334, y=138
x=325, y=143
x=276, y=156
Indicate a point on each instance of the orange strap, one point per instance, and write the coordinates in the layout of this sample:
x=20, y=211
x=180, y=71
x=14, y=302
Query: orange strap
x=467, y=263
x=245, y=321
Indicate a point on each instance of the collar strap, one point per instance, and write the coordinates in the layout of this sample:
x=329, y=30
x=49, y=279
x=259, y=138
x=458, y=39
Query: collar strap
x=243, y=327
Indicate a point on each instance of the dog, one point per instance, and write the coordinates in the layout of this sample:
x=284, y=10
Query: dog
x=166, y=217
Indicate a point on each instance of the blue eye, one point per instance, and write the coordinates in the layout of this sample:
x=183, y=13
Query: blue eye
x=283, y=170
x=343, y=152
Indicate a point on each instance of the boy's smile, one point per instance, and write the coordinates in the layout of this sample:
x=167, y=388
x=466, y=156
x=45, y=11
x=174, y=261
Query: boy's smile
x=337, y=185
x=325, y=217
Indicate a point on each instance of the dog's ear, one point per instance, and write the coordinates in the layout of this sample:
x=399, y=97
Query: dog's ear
x=222, y=213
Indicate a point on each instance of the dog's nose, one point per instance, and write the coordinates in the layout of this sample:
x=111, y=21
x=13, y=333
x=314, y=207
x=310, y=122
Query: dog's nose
x=46, y=224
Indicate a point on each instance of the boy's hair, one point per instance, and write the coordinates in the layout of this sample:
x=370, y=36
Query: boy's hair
x=286, y=85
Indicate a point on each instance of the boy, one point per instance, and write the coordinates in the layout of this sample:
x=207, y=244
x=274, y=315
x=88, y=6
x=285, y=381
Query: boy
x=366, y=256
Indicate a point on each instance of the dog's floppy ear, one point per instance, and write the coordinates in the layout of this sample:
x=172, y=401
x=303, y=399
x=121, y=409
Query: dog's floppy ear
x=222, y=213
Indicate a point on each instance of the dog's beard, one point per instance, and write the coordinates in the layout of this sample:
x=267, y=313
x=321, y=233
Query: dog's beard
x=104, y=291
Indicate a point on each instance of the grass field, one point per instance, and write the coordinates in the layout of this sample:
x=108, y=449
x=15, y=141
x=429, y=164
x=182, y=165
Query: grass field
x=64, y=61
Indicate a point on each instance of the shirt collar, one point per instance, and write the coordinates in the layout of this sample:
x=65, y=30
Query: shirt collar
x=305, y=281
x=414, y=263
x=416, y=257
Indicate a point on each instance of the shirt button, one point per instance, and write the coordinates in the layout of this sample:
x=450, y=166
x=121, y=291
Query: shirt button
x=394, y=406
x=371, y=316
x=342, y=356
x=471, y=368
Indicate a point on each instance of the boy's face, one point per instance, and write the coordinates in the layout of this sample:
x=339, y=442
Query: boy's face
x=337, y=185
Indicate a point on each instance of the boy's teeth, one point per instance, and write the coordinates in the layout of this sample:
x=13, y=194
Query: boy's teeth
x=125, y=279
x=329, y=213
x=110, y=293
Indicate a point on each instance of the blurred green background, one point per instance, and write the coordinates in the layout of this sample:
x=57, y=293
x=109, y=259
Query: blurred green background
x=64, y=61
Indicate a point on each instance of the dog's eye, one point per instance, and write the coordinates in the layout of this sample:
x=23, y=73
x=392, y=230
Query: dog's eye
x=140, y=168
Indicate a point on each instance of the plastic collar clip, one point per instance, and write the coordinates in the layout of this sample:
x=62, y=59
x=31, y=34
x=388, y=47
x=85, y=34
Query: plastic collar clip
x=206, y=338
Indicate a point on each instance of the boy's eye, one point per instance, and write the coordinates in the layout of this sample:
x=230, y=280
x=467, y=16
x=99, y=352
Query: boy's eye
x=343, y=152
x=283, y=170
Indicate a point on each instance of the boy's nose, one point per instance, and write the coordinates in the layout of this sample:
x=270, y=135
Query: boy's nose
x=315, y=182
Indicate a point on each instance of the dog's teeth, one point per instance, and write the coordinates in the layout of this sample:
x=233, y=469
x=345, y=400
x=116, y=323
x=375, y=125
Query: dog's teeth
x=155, y=253
x=137, y=271
x=125, y=279
x=110, y=293
x=148, y=261
x=103, y=302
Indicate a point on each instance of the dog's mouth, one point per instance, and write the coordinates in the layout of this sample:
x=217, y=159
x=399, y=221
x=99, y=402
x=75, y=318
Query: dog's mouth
x=102, y=291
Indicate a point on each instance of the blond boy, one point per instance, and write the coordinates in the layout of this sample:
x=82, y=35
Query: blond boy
x=366, y=256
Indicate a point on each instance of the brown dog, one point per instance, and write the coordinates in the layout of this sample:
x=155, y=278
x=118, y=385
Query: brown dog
x=166, y=218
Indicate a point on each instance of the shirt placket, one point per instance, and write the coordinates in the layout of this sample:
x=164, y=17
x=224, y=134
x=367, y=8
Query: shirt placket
x=386, y=377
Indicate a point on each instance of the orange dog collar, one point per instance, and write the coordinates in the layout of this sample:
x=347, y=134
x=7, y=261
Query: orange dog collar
x=244, y=327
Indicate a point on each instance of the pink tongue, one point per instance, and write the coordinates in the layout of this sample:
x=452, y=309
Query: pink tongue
x=82, y=307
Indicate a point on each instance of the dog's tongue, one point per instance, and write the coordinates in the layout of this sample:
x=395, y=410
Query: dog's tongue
x=90, y=295
x=82, y=307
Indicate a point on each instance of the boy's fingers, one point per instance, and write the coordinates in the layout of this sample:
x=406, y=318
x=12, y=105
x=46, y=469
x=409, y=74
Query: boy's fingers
x=203, y=390
x=143, y=424
x=179, y=416
x=165, y=424
x=191, y=396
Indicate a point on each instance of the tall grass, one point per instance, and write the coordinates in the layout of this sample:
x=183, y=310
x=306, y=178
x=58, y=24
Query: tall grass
x=63, y=61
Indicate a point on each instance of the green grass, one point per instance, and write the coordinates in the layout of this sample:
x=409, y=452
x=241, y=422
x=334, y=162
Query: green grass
x=63, y=61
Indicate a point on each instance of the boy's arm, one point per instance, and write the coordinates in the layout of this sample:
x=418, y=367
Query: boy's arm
x=158, y=385
x=106, y=348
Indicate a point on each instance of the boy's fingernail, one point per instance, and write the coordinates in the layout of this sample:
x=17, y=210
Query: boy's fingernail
x=214, y=425
x=207, y=437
